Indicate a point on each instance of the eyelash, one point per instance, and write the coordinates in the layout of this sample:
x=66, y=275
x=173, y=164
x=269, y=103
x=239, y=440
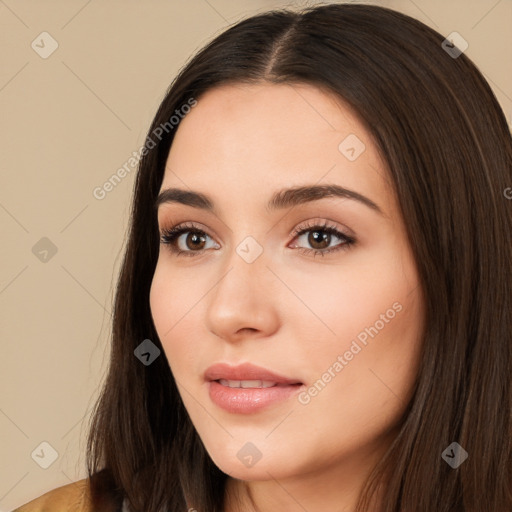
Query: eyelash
x=170, y=235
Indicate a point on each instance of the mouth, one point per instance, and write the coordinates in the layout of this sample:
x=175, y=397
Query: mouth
x=247, y=384
x=247, y=388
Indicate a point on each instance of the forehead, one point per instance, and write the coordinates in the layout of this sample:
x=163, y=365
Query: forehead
x=245, y=140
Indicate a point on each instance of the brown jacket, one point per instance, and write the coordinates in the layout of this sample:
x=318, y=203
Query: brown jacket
x=73, y=497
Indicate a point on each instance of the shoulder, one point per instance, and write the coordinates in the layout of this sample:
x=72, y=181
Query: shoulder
x=75, y=497
x=71, y=497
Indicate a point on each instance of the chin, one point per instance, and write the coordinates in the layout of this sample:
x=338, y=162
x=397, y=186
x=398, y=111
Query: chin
x=249, y=461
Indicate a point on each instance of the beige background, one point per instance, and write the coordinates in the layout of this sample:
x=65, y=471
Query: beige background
x=69, y=122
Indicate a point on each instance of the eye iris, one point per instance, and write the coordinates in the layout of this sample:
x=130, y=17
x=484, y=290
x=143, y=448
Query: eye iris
x=195, y=237
x=317, y=237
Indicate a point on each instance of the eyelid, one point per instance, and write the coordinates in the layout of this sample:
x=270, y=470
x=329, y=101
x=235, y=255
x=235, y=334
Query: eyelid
x=189, y=225
x=322, y=223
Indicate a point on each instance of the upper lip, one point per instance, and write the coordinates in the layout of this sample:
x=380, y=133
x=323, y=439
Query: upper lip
x=245, y=371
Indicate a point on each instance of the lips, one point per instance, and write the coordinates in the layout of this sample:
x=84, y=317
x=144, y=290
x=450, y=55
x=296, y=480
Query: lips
x=248, y=388
x=246, y=372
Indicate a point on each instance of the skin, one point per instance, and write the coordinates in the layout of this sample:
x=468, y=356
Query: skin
x=290, y=312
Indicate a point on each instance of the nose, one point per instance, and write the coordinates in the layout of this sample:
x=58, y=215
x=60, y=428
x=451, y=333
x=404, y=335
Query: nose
x=245, y=300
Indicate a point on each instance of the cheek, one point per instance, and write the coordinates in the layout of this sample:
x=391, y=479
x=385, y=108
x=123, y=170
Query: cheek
x=372, y=295
x=172, y=304
x=364, y=372
x=376, y=371
x=372, y=316
x=159, y=302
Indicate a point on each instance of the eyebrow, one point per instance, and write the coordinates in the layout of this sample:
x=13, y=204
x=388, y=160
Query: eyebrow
x=281, y=199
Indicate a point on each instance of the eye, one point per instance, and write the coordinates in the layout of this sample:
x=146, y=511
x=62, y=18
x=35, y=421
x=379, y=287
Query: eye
x=320, y=238
x=194, y=242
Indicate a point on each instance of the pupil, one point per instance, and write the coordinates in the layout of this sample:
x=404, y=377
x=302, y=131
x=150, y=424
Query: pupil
x=316, y=237
x=195, y=238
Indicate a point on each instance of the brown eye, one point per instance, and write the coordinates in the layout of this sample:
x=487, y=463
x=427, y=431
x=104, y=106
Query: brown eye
x=319, y=240
x=194, y=240
x=320, y=237
x=185, y=240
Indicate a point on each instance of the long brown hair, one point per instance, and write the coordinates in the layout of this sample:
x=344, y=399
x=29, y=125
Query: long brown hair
x=446, y=141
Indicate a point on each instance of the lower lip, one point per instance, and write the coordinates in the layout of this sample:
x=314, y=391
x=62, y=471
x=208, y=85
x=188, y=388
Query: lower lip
x=249, y=400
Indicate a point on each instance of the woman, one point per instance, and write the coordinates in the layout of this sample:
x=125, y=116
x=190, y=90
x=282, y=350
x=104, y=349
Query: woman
x=314, y=308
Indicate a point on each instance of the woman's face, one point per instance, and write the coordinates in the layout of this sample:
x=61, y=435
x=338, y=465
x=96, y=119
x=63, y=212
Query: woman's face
x=320, y=289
